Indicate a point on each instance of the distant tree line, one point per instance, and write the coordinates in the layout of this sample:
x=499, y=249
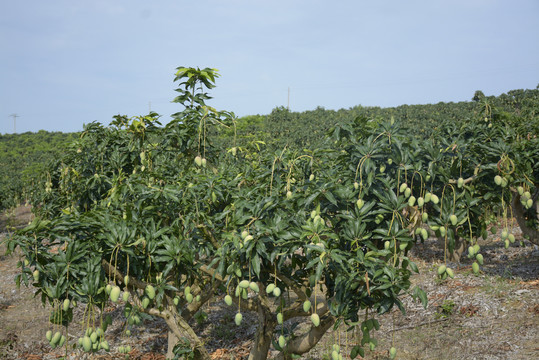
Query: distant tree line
x=23, y=158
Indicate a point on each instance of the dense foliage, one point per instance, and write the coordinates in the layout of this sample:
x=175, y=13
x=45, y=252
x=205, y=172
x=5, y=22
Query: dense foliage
x=23, y=160
x=173, y=219
x=307, y=129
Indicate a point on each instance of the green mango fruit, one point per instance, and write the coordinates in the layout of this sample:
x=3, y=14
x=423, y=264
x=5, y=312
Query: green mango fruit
x=254, y=286
x=441, y=269
x=150, y=291
x=238, y=318
x=93, y=337
x=86, y=343
x=145, y=302
x=115, y=294
x=104, y=345
x=442, y=231
x=403, y=187
x=479, y=259
x=475, y=268
x=407, y=192
x=315, y=319
x=282, y=341
x=56, y=338
x=270, y=288
x=66, y=304
x=476, y=248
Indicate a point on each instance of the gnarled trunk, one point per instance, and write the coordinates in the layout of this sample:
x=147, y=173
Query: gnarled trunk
x=178, y=327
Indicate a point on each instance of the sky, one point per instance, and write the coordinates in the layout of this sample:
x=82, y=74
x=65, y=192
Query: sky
x=66, y=63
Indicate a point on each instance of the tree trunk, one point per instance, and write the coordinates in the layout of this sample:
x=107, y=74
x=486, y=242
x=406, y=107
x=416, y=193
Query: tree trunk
x=172, y=341
x=520, y=214
x=460, y=247
x=264, y=333
x=180, y=328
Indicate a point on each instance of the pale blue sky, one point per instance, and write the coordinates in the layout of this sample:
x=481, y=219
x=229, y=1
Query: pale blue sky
x=64, y=62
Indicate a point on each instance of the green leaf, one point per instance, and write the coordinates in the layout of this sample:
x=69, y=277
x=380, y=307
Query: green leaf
x=330, y=197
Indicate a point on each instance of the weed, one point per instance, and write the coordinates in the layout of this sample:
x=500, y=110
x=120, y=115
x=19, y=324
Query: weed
x=446, y=309
x=223, y=329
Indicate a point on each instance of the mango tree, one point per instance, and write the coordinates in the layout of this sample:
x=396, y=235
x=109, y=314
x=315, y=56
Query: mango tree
x=158, y=220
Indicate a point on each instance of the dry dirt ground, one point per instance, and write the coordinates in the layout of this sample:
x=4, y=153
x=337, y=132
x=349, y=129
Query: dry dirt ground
x=493, y=315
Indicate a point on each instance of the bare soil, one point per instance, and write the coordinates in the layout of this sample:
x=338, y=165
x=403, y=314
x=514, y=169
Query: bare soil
x=493, y=315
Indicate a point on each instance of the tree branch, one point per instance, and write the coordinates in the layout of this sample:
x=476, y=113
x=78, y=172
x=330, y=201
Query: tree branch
x=205, y=295
x=292, y=285
x=296, y=310
x=133, y=282
x=305, y=342
x=209, y=236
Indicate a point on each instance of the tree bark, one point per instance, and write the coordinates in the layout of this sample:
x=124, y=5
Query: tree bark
x=172, y=341
x=264, y=333
x=180, y=328
x=305, y=342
